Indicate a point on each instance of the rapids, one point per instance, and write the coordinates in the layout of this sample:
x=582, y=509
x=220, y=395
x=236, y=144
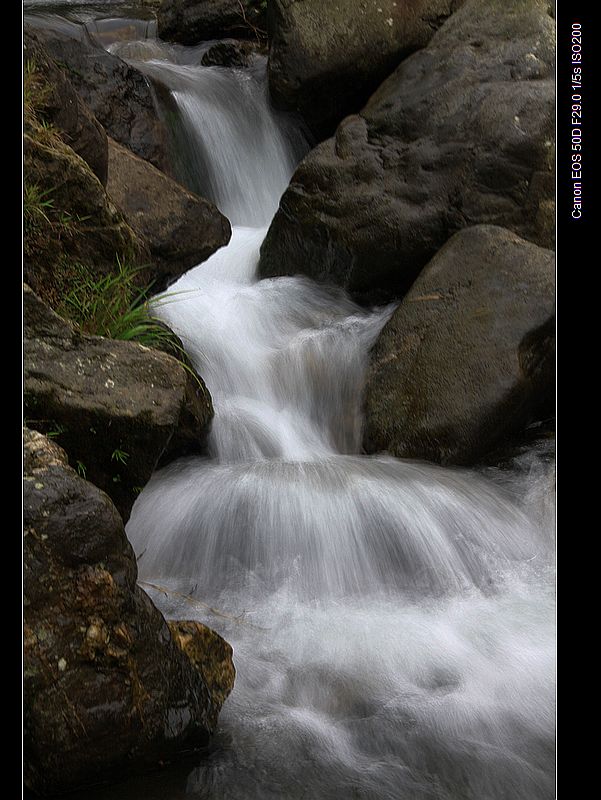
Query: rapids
x=392, y=621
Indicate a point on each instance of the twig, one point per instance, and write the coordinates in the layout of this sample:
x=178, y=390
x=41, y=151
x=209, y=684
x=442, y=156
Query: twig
x=189, y=599
x=259, y=32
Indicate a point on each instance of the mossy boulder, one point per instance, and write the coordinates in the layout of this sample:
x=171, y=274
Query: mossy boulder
x=116, y=407
x=468, y=358
x=74, y=222
x=108, y=688
x=460, y=134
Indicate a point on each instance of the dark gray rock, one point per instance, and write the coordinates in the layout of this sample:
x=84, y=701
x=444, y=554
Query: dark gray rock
x=108, y=688
x=115, y=406
x=229, y=54
x=180, y=229
x=325, y=59
x=193, y=21
x=468, y=357
x=61, y=106
x=461, y=134
x=117, y=93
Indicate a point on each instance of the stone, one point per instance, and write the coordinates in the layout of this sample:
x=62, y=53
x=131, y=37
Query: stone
x=467, y=360
x=116, y=407
x=229, y=54
x=78, y=226
x=108, y=689
x=460, y=134
x=325, y=59
x=193, y=21
x=212, y=657
x=119, y=95
x=61, y=106
x=179, y=228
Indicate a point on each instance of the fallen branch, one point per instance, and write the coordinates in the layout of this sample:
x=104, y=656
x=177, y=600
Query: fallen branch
x=189, y=599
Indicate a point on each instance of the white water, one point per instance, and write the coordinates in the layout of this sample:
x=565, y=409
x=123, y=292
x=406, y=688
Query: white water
x=392, y=622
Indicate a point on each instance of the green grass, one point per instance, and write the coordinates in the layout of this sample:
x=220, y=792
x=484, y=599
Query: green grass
x=37, y=206
x=111, y=305
x=114, y=306
x=119, y=455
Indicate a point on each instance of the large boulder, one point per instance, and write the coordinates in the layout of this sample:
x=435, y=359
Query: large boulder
x=118, y=94
x=193, y=21
x=60, y=105
x=179, y=228
x=325, y=59
x=468, y=358
x=108, y=688
x=116, y=407
x=461, y=134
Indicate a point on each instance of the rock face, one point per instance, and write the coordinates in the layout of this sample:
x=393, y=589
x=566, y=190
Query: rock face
x=118, y=94
x=193, y=21
x=60, y=105
x=326, y=59
x=468, y=357
x=461, y=134
x=115, y=406
x=107, y=688
x=179, y=228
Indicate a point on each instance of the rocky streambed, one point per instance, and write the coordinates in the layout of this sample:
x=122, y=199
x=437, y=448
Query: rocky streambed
x=338, y=452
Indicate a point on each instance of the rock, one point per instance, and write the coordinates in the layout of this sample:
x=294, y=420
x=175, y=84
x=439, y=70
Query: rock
x=467, y=359
x=117, y=93
x=180, y=229
x=325, y=59
x=79, y=226
x=212, y=657
x=461, y=134
x=229, y=54
x=60, y=105
x=116, y=407
x=193, y=21
x=108, y=690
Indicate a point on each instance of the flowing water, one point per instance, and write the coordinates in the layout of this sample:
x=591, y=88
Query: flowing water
x=392, y=621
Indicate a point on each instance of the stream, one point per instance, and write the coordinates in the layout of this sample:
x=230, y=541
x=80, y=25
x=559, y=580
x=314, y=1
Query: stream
x=392, y=621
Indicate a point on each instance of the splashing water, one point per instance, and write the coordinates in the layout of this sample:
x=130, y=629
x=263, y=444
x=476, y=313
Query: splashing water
x=392, y=621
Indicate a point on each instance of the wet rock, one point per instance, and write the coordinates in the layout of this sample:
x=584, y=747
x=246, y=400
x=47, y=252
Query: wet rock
x=108, y=690
x=179, y=228
x=193, y=21
x=212, y=657
x=115, y=406
x=229, y=54
x=460, y=134
x=60, y=105
x=117, y=93
x=325, y=59
x=468, y=357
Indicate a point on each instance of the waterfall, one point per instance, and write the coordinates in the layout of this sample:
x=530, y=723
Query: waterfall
x=392, y=621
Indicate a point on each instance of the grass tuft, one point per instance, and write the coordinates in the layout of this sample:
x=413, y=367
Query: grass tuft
x=114, y=306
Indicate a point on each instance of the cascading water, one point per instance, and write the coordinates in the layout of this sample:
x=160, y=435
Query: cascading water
x=392, y=621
